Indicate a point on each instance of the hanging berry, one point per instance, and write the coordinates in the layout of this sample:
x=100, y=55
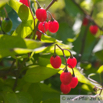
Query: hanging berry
x=55, y=61
x=53, y=26
x=74, y=82
x=93, y=29
x=43, y=26
x=41, y=14
x=25, y=2
x=65, y=88
x=85, y=21
x=65, y=77
x=71, y=62
x=6, y=25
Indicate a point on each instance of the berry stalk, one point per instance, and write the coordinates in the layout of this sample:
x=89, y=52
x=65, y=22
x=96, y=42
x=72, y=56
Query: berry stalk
x=71, y=56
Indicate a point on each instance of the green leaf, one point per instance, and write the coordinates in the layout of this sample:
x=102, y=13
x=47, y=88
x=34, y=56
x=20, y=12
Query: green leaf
x=24, y=29
x=96, y=1
x=8, y=95
x=50, y=49
x=24, y=97
x=38, y=73
x=98, y=54
x=100, y=15
x=48, y=39
x=64, y=32
x=13, y=45
x=27, y=25
x=43, y=61
x=53, y=100
x=89, y=43
x=100, y=70
x=22, y=10
x=82, y=78
x=31, y=89
x=3, y=2
x=71, y=8
x=35, y=91
x=49, y=93
x=11, y=97
x=46, y=88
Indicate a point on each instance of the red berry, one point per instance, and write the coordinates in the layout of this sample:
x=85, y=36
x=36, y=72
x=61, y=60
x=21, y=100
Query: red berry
x=65, y=88
x=85, y=21
x=55, y=61
x=74, y=82
x=38, y=35
x=93, y=29
x=25, y=2
x=53, y=26
x=65, y=77
x=41, y=14
x=72, y=62
x=43, y=26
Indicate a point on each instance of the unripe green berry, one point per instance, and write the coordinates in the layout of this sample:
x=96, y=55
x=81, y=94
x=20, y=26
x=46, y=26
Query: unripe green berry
x=6, y=25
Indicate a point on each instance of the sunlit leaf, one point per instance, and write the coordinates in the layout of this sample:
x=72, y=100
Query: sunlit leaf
x=39, y=73
x=100, y=69
x=3, y=2
x=13, y=45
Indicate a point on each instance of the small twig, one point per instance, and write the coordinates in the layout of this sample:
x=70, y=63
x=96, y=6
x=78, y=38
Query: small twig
x=50, y=4
x=6, y=12
x=32, y=16
x=42, y=32
x=63, y=54
x=15, y=83
x=18, y=73
x=35, y=29
x=12, y=65
x=62, y=51
x=71, y=56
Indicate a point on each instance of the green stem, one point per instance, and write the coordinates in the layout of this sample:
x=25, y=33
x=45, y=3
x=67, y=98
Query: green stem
x=73, y=72
x=54, y=50
x=35, y=29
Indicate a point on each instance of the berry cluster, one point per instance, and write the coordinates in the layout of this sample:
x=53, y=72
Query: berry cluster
x=41, y=14
x=52, y=25
x=68, y=80
x=93, y=28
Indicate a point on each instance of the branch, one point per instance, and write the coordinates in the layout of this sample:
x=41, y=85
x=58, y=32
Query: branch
x=12, y=65
x=52, y=2
x=84, y=40
x=32, y=16
x=87, y=15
